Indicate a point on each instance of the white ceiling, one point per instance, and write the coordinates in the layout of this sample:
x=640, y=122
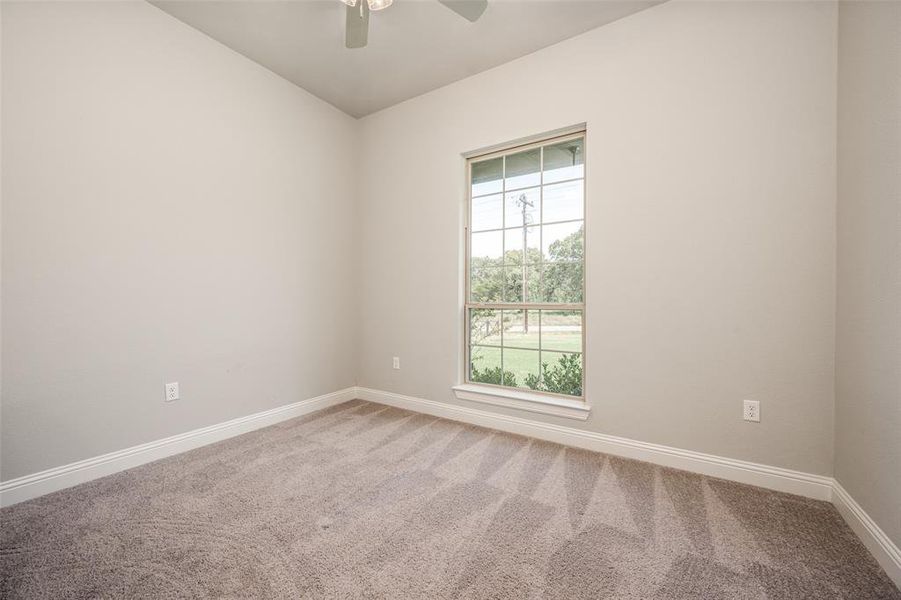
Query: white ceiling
x=414, y=45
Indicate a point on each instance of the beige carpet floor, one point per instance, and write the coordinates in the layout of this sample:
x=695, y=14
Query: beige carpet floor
x=364, y=501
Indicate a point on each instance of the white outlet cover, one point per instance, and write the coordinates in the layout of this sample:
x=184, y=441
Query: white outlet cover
x=751, y=411
x=396, y=362
x=171, y=391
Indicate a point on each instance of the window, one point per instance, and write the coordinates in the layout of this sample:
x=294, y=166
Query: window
x=525, y=267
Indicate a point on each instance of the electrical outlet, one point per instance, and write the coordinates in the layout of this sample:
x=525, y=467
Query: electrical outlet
x=396, y=362
x=752, y=411
x=171, y=391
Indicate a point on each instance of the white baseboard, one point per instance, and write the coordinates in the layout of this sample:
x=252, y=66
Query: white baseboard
x=877, y=542
x=51, y=480
x=774, y=478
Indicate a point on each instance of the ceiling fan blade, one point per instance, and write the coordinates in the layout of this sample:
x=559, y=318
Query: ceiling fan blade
x=356, y=34
x=470, y=10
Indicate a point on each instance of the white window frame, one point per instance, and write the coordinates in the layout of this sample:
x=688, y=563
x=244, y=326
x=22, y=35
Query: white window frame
x=563, y=405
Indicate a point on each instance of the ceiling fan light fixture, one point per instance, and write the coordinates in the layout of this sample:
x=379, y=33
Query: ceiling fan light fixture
x=356, y=19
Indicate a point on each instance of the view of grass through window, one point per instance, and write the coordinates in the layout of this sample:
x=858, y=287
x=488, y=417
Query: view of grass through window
x=526, y=258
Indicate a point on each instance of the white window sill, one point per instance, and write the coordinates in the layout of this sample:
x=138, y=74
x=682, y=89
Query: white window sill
x=523, y=400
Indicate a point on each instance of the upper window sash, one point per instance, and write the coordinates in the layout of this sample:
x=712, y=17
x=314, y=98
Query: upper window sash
x=516, y=203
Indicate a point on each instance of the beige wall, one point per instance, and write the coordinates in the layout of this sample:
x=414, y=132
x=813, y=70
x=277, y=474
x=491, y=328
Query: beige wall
x=167, y=204
x=711, y=223
x=868, y=337
x=168, y=207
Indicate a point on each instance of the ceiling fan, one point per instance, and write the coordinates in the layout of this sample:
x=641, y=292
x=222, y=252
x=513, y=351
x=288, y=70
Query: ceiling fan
x=357, y=25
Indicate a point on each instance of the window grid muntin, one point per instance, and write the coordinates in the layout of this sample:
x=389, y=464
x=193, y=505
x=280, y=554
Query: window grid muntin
x=563, y=222
x=562, y=181
x=470, y=305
